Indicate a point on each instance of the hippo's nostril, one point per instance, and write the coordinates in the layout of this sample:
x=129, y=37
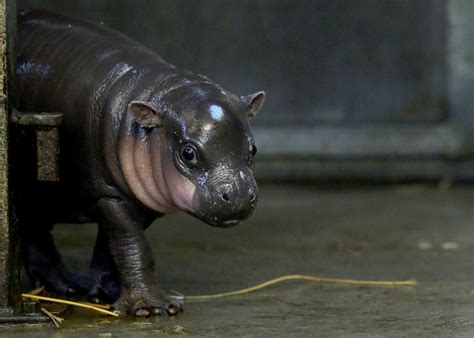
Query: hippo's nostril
x=253, y=197
x=225, y=197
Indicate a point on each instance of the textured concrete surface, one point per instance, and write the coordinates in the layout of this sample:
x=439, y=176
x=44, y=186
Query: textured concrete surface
x=397, y=232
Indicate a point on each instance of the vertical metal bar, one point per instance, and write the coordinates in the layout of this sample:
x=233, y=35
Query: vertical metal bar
x=460, y=64
x=5, y=231
x=10, y=300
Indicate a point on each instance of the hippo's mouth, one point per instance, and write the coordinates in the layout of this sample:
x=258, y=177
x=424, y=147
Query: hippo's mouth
x=231, y=222
x=215, y=222
x=222, y=224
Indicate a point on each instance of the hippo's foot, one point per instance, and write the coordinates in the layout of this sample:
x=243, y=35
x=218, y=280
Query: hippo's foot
x=104, y=287
x=144, y=303
x=56, y=279
x=45, y=268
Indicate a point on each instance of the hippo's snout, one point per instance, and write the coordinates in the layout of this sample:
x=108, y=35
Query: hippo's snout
x=228, y=198
x=229, y=195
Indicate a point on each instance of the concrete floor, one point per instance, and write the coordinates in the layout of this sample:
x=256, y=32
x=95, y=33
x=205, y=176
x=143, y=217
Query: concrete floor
x=381, y=233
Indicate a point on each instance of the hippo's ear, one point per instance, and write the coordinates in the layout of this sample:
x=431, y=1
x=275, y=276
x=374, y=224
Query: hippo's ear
x=145, y=114
x=254, y=102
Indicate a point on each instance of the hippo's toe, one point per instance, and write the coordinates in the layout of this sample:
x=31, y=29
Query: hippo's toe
x=145, y=304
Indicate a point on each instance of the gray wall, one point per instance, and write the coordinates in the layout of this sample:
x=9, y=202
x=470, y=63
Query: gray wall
x=355, y=87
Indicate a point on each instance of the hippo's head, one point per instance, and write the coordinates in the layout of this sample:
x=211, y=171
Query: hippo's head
x=202, y=150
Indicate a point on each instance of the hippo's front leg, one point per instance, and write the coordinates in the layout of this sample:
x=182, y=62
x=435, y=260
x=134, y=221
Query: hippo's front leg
x=140, y=292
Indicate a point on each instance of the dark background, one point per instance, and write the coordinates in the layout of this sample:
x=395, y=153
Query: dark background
x=356, y=89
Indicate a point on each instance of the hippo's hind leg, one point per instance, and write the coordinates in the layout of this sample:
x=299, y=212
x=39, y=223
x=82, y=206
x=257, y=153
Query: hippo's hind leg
x=104, y=284
x=43, y=263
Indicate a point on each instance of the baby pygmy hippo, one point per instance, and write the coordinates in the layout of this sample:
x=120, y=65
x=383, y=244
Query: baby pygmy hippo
x=139, y=139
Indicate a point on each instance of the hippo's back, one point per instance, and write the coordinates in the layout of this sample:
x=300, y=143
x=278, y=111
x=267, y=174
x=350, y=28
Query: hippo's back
x=62, y=61
x=87, y=72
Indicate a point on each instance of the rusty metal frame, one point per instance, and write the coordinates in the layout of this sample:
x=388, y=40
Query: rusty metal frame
x=12, y=310
x=46, y=126
x=8, y=284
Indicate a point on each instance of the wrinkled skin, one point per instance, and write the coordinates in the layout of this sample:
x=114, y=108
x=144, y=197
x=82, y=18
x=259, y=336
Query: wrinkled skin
x=139, y=139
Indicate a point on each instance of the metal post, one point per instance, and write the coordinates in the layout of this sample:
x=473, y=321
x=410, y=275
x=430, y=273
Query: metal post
x=11, y=309
x=8, y=273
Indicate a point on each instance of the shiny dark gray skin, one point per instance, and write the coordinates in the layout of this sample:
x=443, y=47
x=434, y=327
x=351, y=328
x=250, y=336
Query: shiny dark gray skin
x=96, y=77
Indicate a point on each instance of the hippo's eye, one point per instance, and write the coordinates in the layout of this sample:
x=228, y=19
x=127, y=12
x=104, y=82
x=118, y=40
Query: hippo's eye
x=253, y=150
x=188, y=154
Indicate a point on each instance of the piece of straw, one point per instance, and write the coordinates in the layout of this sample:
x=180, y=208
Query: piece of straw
x=37, y=291
x=100, y=306
x=299, y=277
x=55, y=319
x=61, y=301
x=103, y=308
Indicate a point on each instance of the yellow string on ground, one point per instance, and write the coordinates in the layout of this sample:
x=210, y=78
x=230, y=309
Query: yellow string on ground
x=301, y=277
x=67, y=302
x=100, y=306
x=103, y=308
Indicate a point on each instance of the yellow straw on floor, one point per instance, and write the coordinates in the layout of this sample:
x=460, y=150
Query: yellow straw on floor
x=301, y=277
x=102, y=308
x=67, y=302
